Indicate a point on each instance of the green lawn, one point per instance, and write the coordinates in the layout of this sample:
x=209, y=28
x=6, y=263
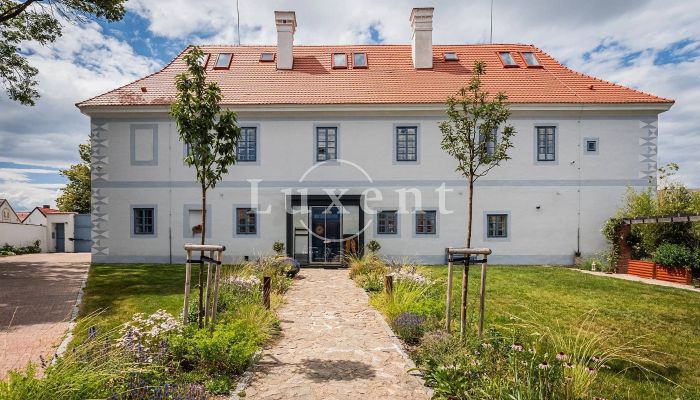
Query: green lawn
x=669, y=319
x=117, y=291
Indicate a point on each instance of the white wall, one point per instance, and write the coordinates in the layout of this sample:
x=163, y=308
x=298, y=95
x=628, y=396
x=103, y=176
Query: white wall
x=575, y=194
x=7, y=214
x=35, y=218
x=69, y=228
x=23, y=235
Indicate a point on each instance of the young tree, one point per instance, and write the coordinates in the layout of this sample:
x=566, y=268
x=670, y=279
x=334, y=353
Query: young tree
x=75, y=197
x=210, y=133
x=40, y=21
x=470, y=135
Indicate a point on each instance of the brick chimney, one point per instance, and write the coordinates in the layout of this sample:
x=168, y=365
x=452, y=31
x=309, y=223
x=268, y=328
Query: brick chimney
x=286, y=22
x=422, y=42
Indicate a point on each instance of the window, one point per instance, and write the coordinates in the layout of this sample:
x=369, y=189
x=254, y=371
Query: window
x=223, y=61
x=451, y=56
x=406, y=143
x=326, y=143
x=246, y=221
x=489, y=144
x=340, y=60
x=591, y=145
x=359, y=60
x=507, y=59
x=144, y=223
x=247, y=145
x=267, y=57
x=546, y=136
x=387, y=222
x=497, y=225
x=144, y=144
x=204, y=60
x=5, y=215
x=531, y=60
x=425, y=222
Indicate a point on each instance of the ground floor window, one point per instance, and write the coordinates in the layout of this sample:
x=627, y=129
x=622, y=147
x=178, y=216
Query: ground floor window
x=425, y=222
x=387, y=222
x=144, y=223
x=497, y=225
x=246, y=221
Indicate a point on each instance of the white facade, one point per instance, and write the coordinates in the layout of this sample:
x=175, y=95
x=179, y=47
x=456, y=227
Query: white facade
x=553, y=208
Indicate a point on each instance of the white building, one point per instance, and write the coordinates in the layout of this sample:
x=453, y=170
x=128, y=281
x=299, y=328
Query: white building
x=55, y=230
x=363, y=121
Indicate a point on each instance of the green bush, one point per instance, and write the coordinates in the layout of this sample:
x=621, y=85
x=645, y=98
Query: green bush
x=227, y=349
x=373, y=246
x=9, y=250
x=674, y=255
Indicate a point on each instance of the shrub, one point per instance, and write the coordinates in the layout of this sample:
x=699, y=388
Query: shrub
x=146, y=338
x=278, y=248
x=374, y=246
x=674, y=255
x=9, y=250
x=409, y=327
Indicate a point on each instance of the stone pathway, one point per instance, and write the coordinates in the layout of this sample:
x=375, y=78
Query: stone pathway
x=332, y=346
x=37, y=296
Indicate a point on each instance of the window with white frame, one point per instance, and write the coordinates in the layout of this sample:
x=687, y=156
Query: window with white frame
x=426, y=222
x=488, y=142
x=144, y=221
x=406, y=143
x=497, y=226
x=246, y=221
x=247, y=145
x=326, y=143
x=546, y=143
x=387, y=222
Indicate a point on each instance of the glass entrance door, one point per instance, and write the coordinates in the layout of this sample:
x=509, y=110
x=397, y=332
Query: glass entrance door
x=325, y=235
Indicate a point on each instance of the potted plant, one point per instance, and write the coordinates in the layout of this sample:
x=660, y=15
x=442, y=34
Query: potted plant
x=197, y=229
x=278, y=248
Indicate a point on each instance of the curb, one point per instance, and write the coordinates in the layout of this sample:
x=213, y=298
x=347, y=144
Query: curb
x=74, y=315
x=247, y=376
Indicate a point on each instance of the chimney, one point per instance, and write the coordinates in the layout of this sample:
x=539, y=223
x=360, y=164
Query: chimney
x=422, y=44
x=46, y=206
x=286, y=22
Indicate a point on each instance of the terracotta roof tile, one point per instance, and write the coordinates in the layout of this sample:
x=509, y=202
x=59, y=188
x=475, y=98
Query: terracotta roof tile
x=389, y=78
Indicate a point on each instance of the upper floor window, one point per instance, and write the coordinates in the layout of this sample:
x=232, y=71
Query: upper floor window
x=488, y=142
x=426, y=222
x=591, y=145
x=204, y=60
x=359, y=60
x=246, y=221
x=247, y=145
x=507, y=59
x=144, y=221
x=406, y=143
x=546, y=143
x=340, y=60
x=531, y=59
x=326, y=143
x=497, y=225
x=387, y=222
x=223, y=61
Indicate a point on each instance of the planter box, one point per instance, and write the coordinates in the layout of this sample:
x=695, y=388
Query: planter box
x=650, y=270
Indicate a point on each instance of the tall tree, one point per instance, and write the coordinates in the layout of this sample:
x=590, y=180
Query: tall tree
x=470, y=135
x=210, y=133
x=40, y=21
x=75, y=197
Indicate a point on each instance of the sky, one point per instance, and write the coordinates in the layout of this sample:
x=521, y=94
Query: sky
x=650, y=45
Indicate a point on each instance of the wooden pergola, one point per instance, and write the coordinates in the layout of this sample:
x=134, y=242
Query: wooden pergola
x=661, y=219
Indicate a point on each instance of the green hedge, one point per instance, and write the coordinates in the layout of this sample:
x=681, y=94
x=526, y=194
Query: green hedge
x=675, y=255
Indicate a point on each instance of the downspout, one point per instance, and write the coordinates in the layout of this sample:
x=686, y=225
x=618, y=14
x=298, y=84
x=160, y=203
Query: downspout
x=580, y=150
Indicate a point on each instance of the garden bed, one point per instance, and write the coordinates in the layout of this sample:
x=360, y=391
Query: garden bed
x=652, y=270
x=559, y=305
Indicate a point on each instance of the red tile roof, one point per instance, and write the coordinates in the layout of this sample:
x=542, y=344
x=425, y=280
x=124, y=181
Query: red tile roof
x=22, y=215
x=389, y=79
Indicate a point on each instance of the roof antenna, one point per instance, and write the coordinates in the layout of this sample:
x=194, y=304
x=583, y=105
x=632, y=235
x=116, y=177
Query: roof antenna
x=491, y=36
x=238, y=23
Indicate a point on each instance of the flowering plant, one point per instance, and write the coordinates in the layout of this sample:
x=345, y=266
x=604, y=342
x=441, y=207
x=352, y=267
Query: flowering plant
x=146, y=337
x=246, y=283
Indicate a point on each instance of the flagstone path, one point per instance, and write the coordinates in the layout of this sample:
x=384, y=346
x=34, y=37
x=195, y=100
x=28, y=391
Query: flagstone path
x=332, y=346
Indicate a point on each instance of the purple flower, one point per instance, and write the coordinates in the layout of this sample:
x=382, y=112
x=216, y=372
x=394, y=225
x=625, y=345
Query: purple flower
x=591, y=370
x=561, y=356
x=543, y=365
x=568, y=365
x=517, y=346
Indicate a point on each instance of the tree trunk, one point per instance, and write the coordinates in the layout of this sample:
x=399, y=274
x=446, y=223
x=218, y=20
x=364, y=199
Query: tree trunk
x=200, y=309
x=465, y=270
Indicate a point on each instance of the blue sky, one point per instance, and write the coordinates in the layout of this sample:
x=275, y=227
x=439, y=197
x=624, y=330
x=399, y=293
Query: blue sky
x=650, y=45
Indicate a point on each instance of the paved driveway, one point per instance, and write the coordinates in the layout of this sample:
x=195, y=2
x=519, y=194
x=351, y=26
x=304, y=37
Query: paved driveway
x=37, y=296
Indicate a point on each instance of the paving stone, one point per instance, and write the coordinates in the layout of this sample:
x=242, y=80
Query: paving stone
x=332, y=346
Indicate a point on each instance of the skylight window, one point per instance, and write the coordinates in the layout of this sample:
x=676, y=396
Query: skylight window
x=451, y=56
x=531, y=60
x=223, y=61
x=507, y=59
x=359, y=60
x=204, y=60
x=267, y=57
x=340, y=60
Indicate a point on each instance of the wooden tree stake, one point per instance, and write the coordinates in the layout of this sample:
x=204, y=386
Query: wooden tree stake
x=188, y=277
x=389, y=284
x=448, y=307
x=266, y=291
